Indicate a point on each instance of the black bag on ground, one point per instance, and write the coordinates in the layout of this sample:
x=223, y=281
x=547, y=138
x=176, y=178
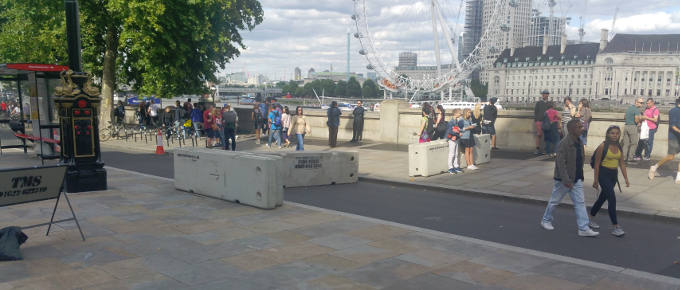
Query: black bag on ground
x=10, y=240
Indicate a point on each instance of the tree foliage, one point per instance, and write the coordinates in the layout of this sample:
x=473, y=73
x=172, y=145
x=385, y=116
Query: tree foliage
x=340, y=89
x=370, y=89
x=480, y=90
x=353, y=88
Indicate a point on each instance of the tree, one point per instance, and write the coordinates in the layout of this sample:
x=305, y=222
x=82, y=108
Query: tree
x=290, y=87
x=280, y=84
x=161, y=47
x=353, y=88
x=340, y=89
x=370, y=89
x=480, y=90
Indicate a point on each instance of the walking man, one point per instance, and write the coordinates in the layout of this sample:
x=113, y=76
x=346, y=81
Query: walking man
x=652, y=117
x=568, y=179
x=333, y=123
x=358, y=124
x=673, y=141
x=631, y=136
x=539, y=113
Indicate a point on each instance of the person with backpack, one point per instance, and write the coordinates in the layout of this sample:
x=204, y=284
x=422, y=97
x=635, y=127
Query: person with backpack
x=258, y=122
x=673, y=142
x=652, y=117
x=453, y=139
x=467, y=141
x=607, y=159
x=333, y=123
x=426, y=126
x=551, y=129
x=568, y=179
x=229, y=123
x=274, y=120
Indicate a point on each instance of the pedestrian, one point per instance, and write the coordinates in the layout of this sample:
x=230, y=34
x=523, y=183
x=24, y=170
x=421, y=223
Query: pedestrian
x=652, y=116
x=209, y=125
x=477, y=119
x=180, y=118
x=426, y=126
x=489, y=124
x=333, y=114
x=631, y=134
x=258, y=122
x=358, y=122
x=673, y=141
x=3, y=106
x=141, y=115
x=274, y=120
x=539, y=113
x=264, y=111
x=218, y=128
x=300, y=128
x=584, y=114
x=642, y=143
x=467, y=141
x=285, y=122
x=568, y=179
x=440, y=124
x=197, y=120
x=229, y=123
x=119, y=113
x=551, y=129
x=167, y=121
x=568, y=111
x=605, y=170
x=453, y=139
x=188, y=107
x=153, y=114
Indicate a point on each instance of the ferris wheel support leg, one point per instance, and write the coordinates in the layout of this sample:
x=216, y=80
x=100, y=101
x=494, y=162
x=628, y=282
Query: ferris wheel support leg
x=435, y=33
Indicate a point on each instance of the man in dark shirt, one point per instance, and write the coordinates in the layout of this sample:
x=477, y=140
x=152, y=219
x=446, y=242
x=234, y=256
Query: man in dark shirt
x=333, y=123
x=358, y=124
x=673, y=141
x=568, y=179
x=539, y=113
x=631, y=136
x=489, y=124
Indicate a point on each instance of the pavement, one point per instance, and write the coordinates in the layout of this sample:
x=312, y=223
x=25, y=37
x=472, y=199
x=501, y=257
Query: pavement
x=510, y=174
x=142, y=233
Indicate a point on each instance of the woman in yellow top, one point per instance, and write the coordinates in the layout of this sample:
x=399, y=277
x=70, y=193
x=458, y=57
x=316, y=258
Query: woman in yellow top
x=606, y=175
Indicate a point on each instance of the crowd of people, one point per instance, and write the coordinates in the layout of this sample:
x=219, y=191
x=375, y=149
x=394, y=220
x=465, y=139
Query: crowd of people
x=275, y=121
x=609, y=156
x=459, y=130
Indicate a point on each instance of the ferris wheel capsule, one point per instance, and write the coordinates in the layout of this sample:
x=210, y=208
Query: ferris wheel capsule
x=505, y=27
x=513, y=3
x=370, y=66
x=362, y=51
x=358, y=35
x=355, y=17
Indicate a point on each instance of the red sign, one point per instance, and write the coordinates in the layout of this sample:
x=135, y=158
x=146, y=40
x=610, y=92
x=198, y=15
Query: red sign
x=37, y=67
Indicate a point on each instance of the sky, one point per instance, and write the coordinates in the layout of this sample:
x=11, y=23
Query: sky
x=313, y=34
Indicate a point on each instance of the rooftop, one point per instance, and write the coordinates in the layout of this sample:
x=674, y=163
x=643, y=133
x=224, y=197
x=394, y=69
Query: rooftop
x=582, y=51
x=658, y=43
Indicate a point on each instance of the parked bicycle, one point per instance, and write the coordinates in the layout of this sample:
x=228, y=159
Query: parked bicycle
x=117, y=130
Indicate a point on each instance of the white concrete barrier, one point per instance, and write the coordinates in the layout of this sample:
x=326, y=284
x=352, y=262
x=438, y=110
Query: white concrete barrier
x=311, y=168
x=234, y=176
x=428, y=158
x=481, y=152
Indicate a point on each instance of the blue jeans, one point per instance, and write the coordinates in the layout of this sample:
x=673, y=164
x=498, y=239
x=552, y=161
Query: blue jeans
x=276, y=134
x=576, y=195
x=650, y=142
x=300, y=142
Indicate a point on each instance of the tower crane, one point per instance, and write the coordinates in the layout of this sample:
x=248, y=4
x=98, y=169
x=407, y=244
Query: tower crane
x=611, y=31
x=581, y=31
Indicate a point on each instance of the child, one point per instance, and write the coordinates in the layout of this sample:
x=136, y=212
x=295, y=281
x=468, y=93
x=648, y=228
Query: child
x=466, y=139
x=453, y=137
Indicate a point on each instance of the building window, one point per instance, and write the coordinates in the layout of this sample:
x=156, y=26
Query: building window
x=606, y=92
x=649, y=93
x=634, y=91
x=668, y=92
x=658, y=93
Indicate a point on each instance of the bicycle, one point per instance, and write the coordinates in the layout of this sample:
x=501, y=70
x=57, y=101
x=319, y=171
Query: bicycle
x=113, y=130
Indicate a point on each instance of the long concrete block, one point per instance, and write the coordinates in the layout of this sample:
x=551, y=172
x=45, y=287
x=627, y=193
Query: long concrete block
x=481, y=153
x=234, y=176
x=428, y=158
x=312, y=168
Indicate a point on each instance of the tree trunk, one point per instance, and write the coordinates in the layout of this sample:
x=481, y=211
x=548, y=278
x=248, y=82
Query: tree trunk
x=108, y=77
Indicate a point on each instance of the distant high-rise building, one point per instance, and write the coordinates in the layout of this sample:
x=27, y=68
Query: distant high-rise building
x=310, y=72
x=298, y=74
x=473, y=26
x=541, y=25
x=408, y=59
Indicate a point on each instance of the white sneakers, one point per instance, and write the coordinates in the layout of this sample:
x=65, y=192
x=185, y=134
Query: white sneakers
x=472, y=167
x=587, y=233
x=652, y=172
x=547, y=226
x=677, y=178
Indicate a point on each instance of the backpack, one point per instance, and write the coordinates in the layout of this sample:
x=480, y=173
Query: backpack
x=547, y=125
x=430, y=126
x=604, y=153
x=454, y=134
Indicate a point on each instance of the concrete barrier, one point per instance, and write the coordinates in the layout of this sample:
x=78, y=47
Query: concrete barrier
x=234, y=176
x=312, y=168
x=481, y=153
x=429, y=158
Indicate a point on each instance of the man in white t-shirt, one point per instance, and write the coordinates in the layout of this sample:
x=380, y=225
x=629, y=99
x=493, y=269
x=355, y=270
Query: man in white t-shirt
x=153, y=112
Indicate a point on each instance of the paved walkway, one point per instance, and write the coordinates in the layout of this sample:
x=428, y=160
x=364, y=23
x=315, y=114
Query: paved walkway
x=144, y=234
x=513, y=174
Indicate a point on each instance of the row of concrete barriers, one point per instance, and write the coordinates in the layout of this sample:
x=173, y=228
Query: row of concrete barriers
x=259, y=178
x=430, y=158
